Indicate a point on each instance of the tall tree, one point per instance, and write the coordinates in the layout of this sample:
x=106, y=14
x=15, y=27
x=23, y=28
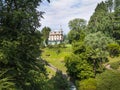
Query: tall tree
x=101, y=20
x=45, y=34
x=117, y=4
x=110, y=5
x=108, y=80
x=19, y=43
x=116, y=22
x=78, y=68
x=73, y=36
x=76, y=26
x=98, y=43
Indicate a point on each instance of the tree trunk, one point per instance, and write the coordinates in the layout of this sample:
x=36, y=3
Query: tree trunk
x=94, y=67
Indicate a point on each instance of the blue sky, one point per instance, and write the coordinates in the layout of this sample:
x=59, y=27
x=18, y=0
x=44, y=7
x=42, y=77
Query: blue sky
x=60, y=12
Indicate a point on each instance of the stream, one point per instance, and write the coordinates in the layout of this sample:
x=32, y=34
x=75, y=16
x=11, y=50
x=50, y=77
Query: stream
x=72, y=86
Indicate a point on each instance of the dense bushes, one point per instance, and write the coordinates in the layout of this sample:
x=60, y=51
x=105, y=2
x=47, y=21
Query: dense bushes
x=78, y=68
x=5, y=82
x=108, y=80
x=115, y=65
x=62, y=45
x=20, y=44
x=88, y=84
x=114, y=49
x=57, y=82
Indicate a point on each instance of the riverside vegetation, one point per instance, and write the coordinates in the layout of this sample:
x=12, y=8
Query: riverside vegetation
x=84, y=57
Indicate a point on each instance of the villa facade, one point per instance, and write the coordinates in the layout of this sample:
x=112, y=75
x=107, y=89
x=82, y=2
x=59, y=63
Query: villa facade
x=55, y=37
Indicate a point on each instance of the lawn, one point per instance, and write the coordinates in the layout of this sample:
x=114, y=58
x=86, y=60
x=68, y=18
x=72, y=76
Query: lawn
x=50, y=72
x=56, y=56
x=112, y=60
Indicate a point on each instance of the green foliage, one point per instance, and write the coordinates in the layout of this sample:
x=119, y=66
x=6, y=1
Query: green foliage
x=13, y=61
x=108, y=80
x=58, y=51
x=97, y=40
x=86, y=55
x=103, y=31
x=116, y=25
x=98, y=43
x=20, y=43
x=109, y=4
x=36, y=81
x=78, y=47
x=101, y=20
x=114, y=49
x=117, y=3
x=45, y=34
x=115, y=65
x=76, y=33
x=50, y=55
x=78, y=68
x=88, y=84
x=77, y=24
x=106, y=21
x=73, y=36
x=58, y=82
x=5, y=82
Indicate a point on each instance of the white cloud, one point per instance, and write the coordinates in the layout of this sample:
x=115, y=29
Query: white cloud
x=60, y=12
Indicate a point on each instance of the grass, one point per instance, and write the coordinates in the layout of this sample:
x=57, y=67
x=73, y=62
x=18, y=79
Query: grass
x=50, y=72
x=112, y=60
x=57, y=58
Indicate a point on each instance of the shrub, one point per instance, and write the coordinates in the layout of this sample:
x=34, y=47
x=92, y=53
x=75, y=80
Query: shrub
x=113, y=49
x=115, y=65
x=58, y=51
x=78, y=68
x=88, y=84
x=109, y=80
x=5, y=82
x=50, y=46
x=60, y=81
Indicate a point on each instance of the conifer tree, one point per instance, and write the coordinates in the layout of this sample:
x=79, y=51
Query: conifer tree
x=19, y=43
x=101, y=20
x=116, y=22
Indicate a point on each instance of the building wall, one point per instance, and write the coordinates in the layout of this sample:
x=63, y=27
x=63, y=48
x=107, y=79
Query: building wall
x=55, y=37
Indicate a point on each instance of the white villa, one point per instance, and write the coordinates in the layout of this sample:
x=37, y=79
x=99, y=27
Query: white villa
x=55, y=37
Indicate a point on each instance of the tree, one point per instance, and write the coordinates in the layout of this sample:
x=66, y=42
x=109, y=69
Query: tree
x=113, y=49
x=78, y=68
x=98, y=43
x=109, y=4
x=78, y=48
x=88, y=84
x=117, y=4
x=109, y=80
x=45, y=34
x=101, y=20
x=116, y=24
x=76, y=33
x=5, y=82
x=60, y=82
x=73, y=36
x=98, y=40
x=77, y=24
x=19, y=42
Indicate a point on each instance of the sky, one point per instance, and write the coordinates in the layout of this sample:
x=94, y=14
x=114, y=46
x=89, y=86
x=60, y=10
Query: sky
x=59, y=12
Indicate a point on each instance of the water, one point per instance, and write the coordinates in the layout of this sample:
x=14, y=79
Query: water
x=73, y=87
